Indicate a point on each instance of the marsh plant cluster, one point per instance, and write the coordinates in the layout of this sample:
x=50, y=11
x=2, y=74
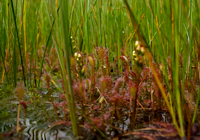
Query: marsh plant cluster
x=99, y=69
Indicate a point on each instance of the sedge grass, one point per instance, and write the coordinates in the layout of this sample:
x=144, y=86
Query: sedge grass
x=170, y=30
x=17, y=36
x=177, y=94
x=5, y=16
x=4, y=66
x=71, y=104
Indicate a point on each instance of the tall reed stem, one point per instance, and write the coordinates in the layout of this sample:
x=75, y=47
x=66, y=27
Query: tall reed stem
x=71, y=104
x=20, y=52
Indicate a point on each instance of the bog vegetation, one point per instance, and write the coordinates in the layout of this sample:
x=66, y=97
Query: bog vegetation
x=99, y=69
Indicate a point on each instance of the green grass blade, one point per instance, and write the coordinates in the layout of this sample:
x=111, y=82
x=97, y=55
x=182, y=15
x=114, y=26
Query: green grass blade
x=2, y=58
x=64, y=12
x=22, y=63
x=46, y=46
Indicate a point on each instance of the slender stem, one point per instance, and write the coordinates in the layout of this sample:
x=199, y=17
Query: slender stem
x=18, y=42
x=64, y=11
x=49, y=37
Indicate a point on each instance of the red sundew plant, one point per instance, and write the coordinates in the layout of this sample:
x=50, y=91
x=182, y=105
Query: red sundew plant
x=103, y=100
x=105, y=83
x=79, y=92
x=114, y=70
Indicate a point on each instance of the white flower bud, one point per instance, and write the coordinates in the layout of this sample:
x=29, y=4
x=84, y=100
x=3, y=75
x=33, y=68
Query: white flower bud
x=137, y=43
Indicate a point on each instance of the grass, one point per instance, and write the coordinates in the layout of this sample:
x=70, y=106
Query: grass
x=83, y=41
x=67, y=48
